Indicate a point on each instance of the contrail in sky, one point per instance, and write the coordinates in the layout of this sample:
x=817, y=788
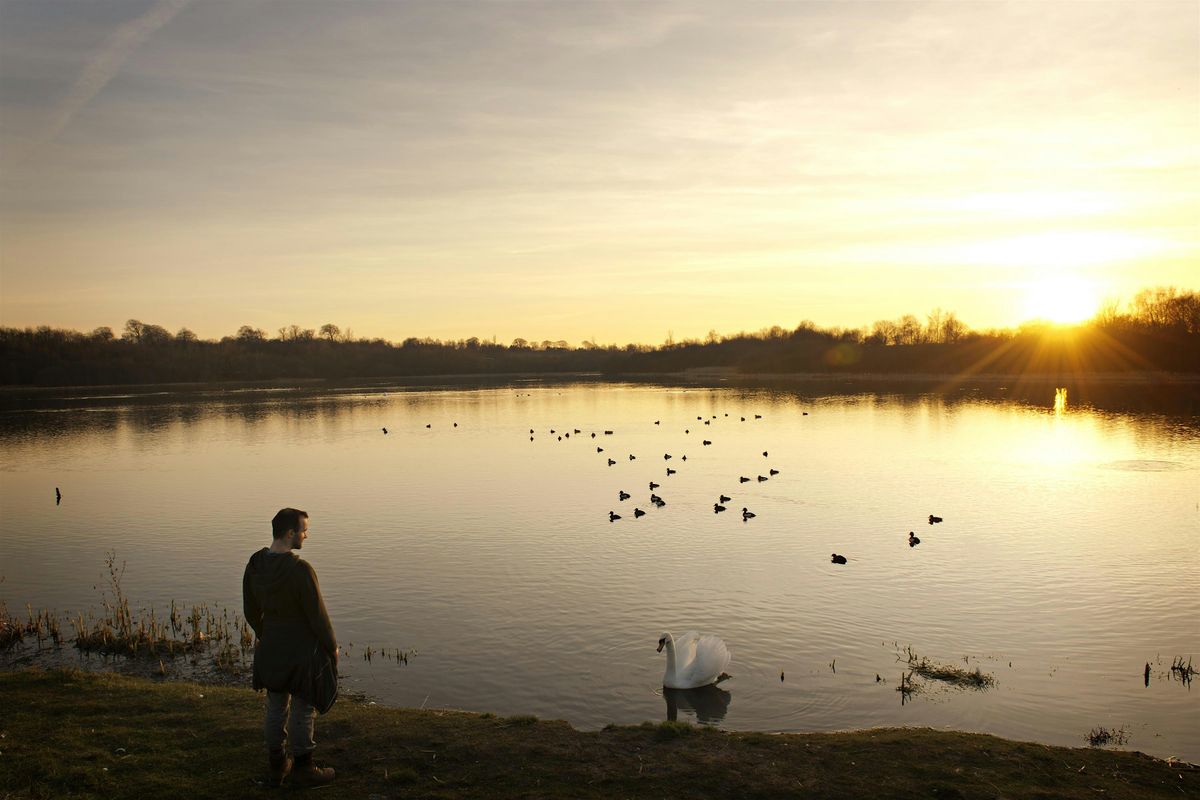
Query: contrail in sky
x=96, y=75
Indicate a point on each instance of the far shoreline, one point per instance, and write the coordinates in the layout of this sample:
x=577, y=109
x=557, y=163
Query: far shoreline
x=1137, y=392
x=693, y=374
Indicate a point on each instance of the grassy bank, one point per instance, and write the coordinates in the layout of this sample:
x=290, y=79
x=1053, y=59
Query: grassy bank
x=75, y=734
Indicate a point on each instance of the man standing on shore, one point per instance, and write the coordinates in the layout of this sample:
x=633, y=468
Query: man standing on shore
x=296, y=654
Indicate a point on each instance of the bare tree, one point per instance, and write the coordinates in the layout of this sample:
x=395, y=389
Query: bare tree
x=330, y=331
x=953, y=328
x=1109, y=313
x=248, y=333
x=908, y=330
x=155, y=334
x=883, y=332
x=933, y=327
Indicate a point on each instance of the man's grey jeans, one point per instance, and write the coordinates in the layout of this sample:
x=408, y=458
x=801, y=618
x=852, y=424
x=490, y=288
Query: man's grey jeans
x=299, y=723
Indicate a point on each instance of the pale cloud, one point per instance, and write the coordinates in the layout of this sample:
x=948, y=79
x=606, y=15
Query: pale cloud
x=381, y=156
x=97, y=74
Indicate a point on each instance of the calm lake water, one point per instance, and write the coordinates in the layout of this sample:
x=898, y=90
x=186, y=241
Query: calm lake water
x=1067, y=560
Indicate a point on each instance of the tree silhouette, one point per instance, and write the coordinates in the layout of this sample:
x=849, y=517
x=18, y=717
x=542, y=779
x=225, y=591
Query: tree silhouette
x=1159, y=330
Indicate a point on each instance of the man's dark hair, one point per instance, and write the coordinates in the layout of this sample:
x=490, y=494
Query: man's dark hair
x=287, y=520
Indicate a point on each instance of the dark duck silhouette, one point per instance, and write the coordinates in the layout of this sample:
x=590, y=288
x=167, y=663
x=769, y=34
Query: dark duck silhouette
x=623, y=495
x=724, y=499
x=653, y=485
x=762, y=478
x=718, y=508
x=773, y=472
x=743, y=479
x=632, y=457
x=611, y=462
x=599, y=449
x=637, y=512
x=933, y=519
x=613, y=517
x=670, y=471
x=666, y=456
x=838, y=559
x=706, y=442
x=57, y=496
x=746, y=514
x=385, y=430
x=913, y=541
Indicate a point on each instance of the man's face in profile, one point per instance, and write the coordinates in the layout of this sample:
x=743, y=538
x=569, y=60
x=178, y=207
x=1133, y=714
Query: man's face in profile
x=300, y=534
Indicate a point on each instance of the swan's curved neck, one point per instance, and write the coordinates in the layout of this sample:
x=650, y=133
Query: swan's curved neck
x=669, y=675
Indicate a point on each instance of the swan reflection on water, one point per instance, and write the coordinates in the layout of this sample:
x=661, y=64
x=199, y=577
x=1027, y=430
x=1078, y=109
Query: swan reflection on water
x=708, y=703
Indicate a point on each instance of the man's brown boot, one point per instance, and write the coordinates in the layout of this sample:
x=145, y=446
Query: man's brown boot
x=309, y=773
x=279, y=764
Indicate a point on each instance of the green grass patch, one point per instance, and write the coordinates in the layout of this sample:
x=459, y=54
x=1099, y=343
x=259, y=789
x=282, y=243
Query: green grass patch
x=70, y=734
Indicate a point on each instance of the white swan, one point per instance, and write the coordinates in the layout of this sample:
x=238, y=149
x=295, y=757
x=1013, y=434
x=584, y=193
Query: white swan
x=694, y=660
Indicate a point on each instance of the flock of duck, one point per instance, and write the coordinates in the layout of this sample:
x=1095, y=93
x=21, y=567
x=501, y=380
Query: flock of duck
x=655, y=500
x=719, y=506
x=693, y=661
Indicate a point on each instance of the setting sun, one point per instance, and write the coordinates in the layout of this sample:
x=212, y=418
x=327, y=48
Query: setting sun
x=1062, y=299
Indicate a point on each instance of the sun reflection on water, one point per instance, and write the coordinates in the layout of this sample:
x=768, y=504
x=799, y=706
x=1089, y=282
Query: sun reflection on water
x=1060, y=401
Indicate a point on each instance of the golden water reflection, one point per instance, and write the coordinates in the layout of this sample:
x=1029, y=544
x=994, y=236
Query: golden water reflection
x=493, y=557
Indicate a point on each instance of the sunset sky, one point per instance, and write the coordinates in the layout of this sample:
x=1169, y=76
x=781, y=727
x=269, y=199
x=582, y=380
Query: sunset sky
x=591, y=170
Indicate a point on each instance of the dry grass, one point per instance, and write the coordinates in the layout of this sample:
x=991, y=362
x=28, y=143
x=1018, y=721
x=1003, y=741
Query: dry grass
x=946, y=673
x=84, y=735
x=1102, y=737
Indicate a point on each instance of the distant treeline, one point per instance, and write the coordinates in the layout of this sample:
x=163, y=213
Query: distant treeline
x=1160, y=330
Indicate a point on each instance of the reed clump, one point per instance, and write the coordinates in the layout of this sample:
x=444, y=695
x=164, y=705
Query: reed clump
x=1101, y=737
x=43, y=625
x=1184, y=672
x=946, y=673
x=119, y=631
